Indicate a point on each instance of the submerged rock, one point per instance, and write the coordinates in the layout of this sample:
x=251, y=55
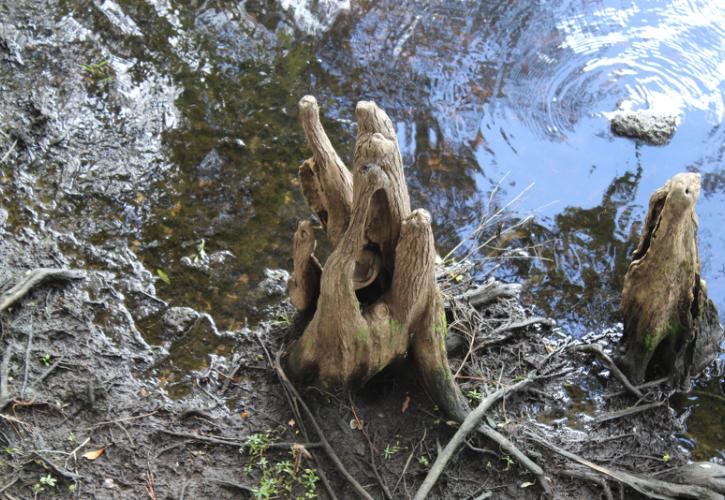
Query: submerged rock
x=178, y=320
x=647, y=126
x=274, y=282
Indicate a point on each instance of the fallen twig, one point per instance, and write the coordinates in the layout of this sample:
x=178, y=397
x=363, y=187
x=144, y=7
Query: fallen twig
x=34, y=278
x=653, y=488
x=237, y=486
x=9, y=151
x=183, y=489
x=646, y=385
x=511, y=449
x=300, y=423
x=374, y=467
x=122, y=419
x=586, y=476
x=597, y=350
x=47, y=372
x=59, y=470
x=468, y=425
x=231, y=442
x=491, y=290
x=494, y=337
x=407, y=462
x=325, y=444
x=9, y=484
x=5, y=375
x=632, y=410
x=27, y=363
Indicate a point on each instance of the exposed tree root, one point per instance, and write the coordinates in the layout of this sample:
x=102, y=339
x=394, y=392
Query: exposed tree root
x=325, y=444
x=597, y=350
x=652, y=488
x=35, y=278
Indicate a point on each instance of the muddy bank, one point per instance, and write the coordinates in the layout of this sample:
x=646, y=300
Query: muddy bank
x=80, y=379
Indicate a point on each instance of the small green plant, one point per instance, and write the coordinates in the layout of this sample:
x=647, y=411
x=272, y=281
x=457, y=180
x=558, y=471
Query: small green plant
x=284, y=319
x=309, y=481
x=45, y=359
x=47, y=481
x=99, y=72
x=423, y=460
x=257, y=444
x=474, y=395
x=9, y=450
x=666, y=457
x=509, y=461
x=391, y=450
x=282, y=479
x=72, y=488
x=200, y=255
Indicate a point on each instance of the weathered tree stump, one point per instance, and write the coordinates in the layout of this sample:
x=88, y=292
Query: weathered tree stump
x=376, y=299
x=671, y=328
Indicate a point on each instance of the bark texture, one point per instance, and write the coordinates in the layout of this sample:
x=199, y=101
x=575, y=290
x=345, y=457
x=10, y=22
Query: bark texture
x=671, y=328
x=376, y=299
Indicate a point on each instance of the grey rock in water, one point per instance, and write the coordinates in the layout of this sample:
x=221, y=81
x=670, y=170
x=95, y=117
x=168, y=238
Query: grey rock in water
x=274, y=282
x=178, y=320
x=647, y=126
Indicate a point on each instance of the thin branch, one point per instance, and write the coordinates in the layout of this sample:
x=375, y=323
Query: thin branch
x=599, y=352
x=511, y=449
x=407, y=462
x=330, y=451
x=62, y=472
x=27, y=363
x=468, y=425
x=515, y=325
x=653, y=488
x=5, y=374
x=627, y=412
x=586, y=476
x=231, y=442
x=9, y=151
x=298, y=417
x=34, y=278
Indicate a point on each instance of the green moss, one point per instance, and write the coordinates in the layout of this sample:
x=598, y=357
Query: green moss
x=441, y=327
x=362, y=335
x=672, y=328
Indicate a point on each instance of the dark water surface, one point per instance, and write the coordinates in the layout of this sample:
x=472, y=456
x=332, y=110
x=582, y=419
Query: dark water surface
x=484, y=94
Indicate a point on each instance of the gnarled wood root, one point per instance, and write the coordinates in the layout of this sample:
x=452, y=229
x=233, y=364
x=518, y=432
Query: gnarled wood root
x=376, y=299
x=671, y=328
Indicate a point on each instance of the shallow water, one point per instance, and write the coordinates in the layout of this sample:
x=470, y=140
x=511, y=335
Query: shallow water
x=483, y=94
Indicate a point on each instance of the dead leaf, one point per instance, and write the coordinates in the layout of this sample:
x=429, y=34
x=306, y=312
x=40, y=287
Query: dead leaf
x=301, y=450
x=526, y=484
x=356, y=424
x=244, y=414
x=92, y=455
x=406, y=404
x=292, y=422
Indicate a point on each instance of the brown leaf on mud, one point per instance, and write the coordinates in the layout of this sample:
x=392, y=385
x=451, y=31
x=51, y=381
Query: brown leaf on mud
x=92, y=455
x=406, y=404
x=300, y=449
